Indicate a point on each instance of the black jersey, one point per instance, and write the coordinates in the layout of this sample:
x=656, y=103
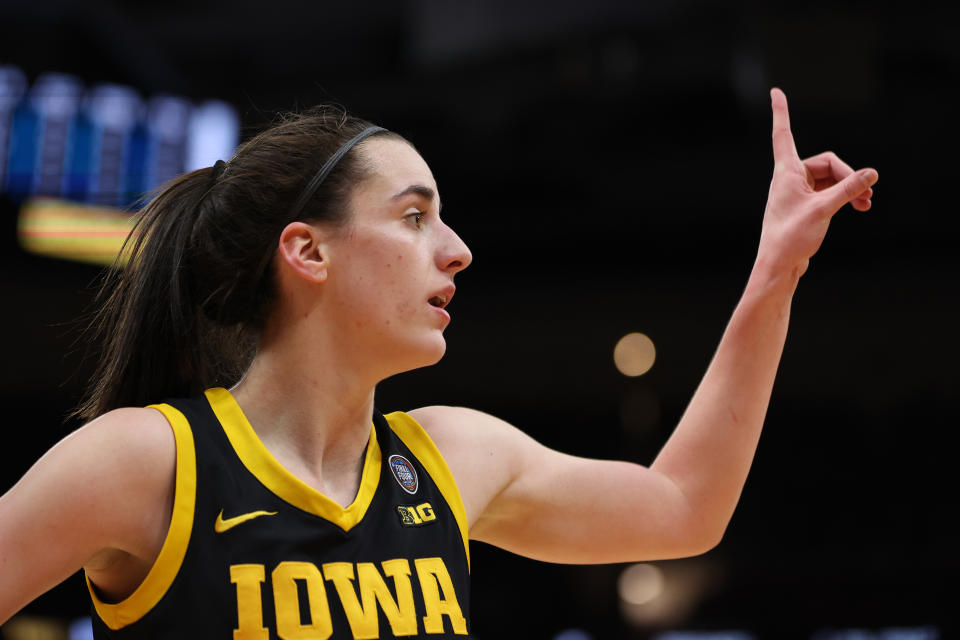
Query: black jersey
x=253, y=553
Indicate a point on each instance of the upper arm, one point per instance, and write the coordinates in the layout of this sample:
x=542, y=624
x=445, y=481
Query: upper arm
x=107, y=486
x=543, y=504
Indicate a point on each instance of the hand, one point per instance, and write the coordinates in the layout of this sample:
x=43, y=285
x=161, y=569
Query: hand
x=804, y=196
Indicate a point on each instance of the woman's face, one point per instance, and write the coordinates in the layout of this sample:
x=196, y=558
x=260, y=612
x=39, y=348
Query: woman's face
x=392, y=267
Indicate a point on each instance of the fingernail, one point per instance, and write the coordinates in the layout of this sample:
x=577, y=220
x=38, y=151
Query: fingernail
x=869, y=177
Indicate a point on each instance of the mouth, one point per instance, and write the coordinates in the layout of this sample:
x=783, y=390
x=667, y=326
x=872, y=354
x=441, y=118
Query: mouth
x=442, y=298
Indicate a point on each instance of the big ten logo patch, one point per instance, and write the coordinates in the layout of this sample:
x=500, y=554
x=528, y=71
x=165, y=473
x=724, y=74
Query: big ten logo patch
x=416, y=516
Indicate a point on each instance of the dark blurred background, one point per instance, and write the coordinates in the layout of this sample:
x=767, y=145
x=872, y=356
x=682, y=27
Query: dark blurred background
x=608, y=164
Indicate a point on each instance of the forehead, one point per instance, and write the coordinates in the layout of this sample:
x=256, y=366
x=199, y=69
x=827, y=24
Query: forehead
x=394, y=166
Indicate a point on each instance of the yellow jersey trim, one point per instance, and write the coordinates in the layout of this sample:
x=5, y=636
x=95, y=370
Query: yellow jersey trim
x=421, y=445
x=268, y=470
x=167, y=565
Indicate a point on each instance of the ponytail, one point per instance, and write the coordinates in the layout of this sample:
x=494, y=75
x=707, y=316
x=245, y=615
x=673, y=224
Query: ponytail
x=185, y=312
x=155, y=343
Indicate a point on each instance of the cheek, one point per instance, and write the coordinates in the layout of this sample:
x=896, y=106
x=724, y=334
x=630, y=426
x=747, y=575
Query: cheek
x=383, y=291
x=383, y=279
x=402, y=304
x=400, y=288
x=401, y=309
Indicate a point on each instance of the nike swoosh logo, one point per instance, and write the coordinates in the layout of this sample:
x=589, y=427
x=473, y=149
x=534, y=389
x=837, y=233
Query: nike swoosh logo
x=222, y=524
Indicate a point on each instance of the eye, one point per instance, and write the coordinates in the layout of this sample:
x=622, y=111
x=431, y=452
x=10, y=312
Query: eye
x=416, y=219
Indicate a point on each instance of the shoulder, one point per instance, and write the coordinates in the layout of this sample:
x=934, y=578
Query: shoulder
x=132, y=493
x=129, y=426
x=107, y=488
x=484, y=453
x=127, y=443
x=123, y=465
x=470, y=432
x=462, y=434
x=118, y=440
x=462, y=423
x=113, y=480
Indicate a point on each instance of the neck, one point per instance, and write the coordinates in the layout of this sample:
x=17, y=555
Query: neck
x=310, y=407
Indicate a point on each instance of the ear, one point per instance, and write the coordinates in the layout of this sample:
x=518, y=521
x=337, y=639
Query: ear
x=302, y=247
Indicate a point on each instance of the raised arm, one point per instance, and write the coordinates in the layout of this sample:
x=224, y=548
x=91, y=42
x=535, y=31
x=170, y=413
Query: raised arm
x=99, y=499
x=543, y=504
x=710, y=452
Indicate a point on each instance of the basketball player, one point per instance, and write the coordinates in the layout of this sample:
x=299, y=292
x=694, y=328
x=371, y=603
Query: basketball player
x=316, y=263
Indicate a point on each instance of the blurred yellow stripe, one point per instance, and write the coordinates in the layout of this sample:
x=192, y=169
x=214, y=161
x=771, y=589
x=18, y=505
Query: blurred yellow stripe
x=71, y=231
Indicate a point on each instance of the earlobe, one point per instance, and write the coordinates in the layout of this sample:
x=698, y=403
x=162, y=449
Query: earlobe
x=302, y=249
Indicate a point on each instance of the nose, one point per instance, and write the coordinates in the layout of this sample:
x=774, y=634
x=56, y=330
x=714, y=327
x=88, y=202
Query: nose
x=453, y=255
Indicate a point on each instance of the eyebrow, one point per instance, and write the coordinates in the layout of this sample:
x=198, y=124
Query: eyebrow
x=420, y=190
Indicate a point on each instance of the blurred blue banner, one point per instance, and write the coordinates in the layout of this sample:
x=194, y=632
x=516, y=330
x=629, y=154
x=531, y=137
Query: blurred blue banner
x=103, y=144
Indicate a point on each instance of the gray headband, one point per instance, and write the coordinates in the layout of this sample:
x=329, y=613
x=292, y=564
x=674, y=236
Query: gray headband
x=327, y=167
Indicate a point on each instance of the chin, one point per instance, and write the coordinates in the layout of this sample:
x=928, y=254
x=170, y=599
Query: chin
x=435, y=353
x=427, y=354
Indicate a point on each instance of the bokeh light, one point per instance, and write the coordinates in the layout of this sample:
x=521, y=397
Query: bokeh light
x=634, y=354
x=640, y=584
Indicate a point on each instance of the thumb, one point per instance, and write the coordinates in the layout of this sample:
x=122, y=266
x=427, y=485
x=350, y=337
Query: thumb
x=850, y=188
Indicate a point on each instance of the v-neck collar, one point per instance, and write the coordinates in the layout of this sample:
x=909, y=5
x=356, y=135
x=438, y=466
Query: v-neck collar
x=268, y=470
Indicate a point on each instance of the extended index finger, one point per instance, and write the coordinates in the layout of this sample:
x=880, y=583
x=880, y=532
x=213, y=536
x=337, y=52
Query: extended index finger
x=784, y=149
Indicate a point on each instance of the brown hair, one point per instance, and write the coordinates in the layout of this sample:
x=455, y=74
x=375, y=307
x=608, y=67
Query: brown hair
x=185, y=312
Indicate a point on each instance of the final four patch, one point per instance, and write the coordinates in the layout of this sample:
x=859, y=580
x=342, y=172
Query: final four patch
x=404, y=472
